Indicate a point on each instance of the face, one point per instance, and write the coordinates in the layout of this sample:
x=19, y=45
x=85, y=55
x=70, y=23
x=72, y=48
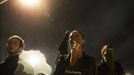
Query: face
x=13, y=46
x=75, y=39
x=107, y=53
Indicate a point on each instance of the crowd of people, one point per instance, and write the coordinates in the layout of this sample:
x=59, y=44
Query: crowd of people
x=71, y=60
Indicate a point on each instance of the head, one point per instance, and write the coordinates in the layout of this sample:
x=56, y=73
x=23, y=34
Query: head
x=107, y=53
x=76, y=39
x=15, y=45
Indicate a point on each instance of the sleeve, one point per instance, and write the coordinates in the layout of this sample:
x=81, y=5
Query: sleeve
x=60, y=67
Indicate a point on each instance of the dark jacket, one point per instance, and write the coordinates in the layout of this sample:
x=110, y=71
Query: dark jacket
x=103, y=69
x=9, y=66
x=84, y=66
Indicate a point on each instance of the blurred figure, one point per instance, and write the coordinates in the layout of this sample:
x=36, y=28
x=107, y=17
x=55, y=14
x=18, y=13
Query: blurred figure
x=63, y=48
x=108, y=65
x=14, y=65
x=15, y=45
x=76, y=62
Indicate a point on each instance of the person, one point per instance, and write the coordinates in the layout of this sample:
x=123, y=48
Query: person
x=108, y=65
x=15, y=45
x=77, y=62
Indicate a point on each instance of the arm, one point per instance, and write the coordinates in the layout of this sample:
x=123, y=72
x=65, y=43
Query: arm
x=10, y=65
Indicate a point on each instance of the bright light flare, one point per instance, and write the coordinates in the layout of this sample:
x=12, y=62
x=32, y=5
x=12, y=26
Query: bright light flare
x=30, y=3
x=37, y=60
x=34, y=60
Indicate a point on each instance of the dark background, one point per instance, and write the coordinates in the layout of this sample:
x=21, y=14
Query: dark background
x=101, y=21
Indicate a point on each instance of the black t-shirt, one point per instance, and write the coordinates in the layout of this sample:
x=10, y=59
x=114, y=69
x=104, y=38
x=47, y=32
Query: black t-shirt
x=9, y=66
x=103, y=69
x=84, y=66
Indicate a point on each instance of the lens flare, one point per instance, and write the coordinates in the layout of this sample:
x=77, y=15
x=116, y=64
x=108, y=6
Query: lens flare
x=37, y=60
x=31, y=3
x=34, y=60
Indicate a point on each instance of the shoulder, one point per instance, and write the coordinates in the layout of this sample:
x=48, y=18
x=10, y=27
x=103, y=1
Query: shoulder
x=89, y=59
x=101, y=66
x=118, y=65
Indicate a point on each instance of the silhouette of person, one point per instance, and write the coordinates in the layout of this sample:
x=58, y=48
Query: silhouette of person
x=108, y=65
x=77, y=62
x=15, y=45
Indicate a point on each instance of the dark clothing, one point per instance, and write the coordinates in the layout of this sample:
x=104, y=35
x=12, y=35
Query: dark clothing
x=103, y=69
x=9, y=66
x=84, y=66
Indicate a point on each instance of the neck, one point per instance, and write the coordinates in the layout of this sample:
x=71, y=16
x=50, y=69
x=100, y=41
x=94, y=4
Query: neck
x=13, y=54
x=110, y=64
x=75, y=55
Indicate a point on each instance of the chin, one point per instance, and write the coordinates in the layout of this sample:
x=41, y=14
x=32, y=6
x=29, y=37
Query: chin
x=11, y=52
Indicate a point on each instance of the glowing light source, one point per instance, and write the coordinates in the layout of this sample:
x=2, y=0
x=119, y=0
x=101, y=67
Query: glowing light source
x=30, y=3
x=37, y=60
x=34, y=60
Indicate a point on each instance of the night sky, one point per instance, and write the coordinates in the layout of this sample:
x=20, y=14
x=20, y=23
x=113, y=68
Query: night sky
x=101, y=21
